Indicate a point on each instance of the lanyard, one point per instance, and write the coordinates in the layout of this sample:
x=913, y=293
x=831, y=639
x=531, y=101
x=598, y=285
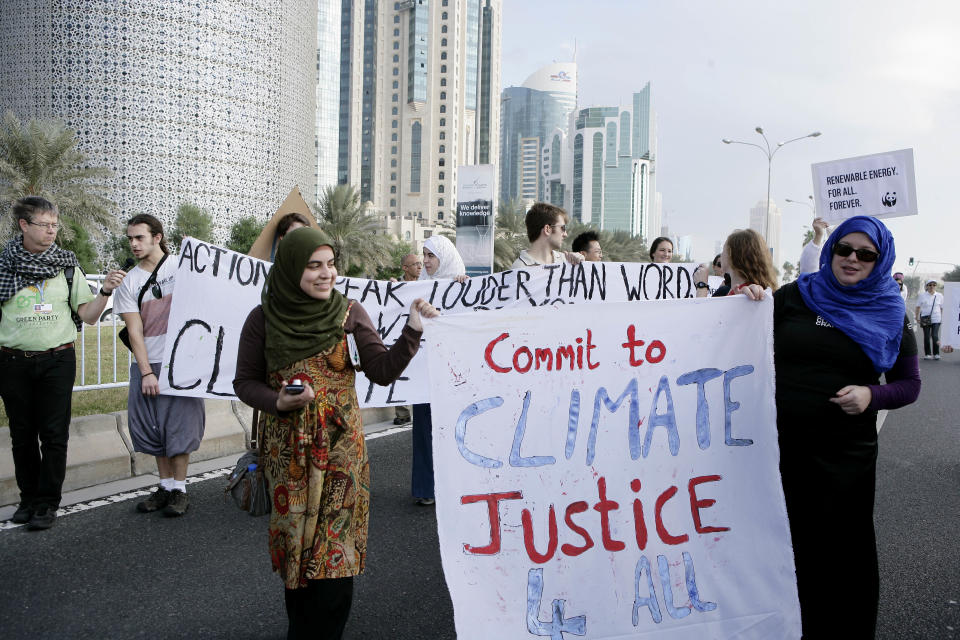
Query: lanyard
x=40, y=288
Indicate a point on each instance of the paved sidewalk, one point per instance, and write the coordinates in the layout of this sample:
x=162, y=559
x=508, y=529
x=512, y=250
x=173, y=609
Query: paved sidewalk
x=140, y=485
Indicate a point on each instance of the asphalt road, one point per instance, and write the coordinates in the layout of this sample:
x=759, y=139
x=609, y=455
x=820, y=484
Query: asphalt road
x=109, y=572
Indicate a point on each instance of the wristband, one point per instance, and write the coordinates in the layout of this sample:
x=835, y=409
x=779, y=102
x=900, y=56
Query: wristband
x=104, y=293
x=149, y=373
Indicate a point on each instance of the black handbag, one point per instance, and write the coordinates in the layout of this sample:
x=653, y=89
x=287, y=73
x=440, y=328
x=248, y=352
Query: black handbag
x=123, y=334
x=248, y=484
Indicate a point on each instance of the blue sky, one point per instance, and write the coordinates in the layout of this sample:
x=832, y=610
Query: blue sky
x=871, y=76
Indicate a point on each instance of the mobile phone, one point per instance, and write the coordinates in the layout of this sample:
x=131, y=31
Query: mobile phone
x=295, y=387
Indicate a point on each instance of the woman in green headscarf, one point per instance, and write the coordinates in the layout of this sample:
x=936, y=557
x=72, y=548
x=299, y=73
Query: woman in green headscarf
x=314, y=453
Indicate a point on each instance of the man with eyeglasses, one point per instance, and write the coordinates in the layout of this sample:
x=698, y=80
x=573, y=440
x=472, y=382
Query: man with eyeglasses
x=546, y=229
x=44, y=297
x=167, y=427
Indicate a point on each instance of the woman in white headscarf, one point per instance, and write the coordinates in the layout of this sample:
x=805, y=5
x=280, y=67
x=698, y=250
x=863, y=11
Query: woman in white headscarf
x=440, y=261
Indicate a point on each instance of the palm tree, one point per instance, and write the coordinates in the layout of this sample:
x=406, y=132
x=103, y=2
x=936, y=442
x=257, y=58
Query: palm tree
x=359, y=248
x=618, y=246
x=41, y=159
x=511, y=234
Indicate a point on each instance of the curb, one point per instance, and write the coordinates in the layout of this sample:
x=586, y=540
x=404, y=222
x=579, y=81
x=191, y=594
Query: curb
x=100, y=450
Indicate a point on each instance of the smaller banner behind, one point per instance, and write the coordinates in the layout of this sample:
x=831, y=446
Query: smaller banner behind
x=881, y=185
x=216, y=289
x=950, y=330
x=475, y=217
x=611, y=475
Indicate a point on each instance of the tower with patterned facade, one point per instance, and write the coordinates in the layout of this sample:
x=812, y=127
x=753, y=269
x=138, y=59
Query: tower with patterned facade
x=210, y=102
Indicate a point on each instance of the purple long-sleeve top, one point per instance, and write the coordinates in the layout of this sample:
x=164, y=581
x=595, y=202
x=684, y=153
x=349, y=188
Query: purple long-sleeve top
x=902, y=387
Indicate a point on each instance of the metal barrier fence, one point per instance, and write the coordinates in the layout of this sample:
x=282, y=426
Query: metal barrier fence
x=107, y=374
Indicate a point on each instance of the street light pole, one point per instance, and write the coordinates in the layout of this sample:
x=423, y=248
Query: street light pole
x=806, y=204
x=769, y=152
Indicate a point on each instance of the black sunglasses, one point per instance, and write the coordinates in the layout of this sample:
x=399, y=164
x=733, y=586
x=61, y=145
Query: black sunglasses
x=716, y=264
x=155, y=290
x=843, y=250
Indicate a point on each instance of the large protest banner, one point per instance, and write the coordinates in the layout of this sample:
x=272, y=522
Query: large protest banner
x=611, y=475
x=216, y=288
x=950, y=329
x=881, y=185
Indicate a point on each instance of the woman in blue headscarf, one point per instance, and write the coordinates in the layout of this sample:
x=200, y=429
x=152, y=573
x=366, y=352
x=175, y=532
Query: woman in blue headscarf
x=835, y=331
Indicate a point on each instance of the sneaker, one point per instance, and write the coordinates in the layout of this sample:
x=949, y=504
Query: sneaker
x=400, y=421
x=425, y=502
x=177, y=506
x=928, y=357
x=42, y=518
x=936, y=357
x=23, y=514
x=157, y=500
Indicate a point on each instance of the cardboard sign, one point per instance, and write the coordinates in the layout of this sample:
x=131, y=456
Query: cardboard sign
x=881, y=185
x=266, y=243
x=611, y=475
x=950, y=329
x=217, y=288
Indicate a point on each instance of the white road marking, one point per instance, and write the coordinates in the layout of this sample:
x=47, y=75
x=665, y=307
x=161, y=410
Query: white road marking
x=881, y=416
x=6, y=525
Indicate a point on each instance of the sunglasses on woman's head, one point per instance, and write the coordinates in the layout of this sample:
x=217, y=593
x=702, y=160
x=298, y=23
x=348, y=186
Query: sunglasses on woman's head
x=843, y=250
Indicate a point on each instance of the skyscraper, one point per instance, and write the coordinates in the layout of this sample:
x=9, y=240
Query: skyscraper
x=768, y=226
x=418, y=98
x=612, y=167
x=210, y=102
x=328, y=93
x=535, y=119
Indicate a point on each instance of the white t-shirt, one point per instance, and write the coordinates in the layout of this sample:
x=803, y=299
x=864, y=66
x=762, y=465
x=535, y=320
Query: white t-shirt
x=154, y=311
x=926, y=301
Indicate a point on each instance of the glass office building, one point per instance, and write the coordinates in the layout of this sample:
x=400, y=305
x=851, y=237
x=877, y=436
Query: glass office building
x=535, y=117
x=613, y=176
x=416, y=103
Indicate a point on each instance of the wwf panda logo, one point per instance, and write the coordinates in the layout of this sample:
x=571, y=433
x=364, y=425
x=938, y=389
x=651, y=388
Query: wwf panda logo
x=889, y=199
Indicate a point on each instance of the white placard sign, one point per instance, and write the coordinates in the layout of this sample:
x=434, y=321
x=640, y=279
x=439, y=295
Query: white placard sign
x=611, y=475
x=881, y=185
x=216, y=288
x=950, y=329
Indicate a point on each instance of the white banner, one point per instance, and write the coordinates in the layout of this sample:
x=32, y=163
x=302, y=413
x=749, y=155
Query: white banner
x=950, y=329
x=215, y=291
x=611, y=475
x=881, y=185
x=216, y=288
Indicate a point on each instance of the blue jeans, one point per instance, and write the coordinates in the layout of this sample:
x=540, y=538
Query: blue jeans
x=37, y=393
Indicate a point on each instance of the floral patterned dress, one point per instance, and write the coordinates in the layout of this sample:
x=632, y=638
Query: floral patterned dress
x=316, y=463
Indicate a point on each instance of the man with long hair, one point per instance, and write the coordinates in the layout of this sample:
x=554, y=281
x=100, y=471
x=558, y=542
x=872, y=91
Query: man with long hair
x=167, y=427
